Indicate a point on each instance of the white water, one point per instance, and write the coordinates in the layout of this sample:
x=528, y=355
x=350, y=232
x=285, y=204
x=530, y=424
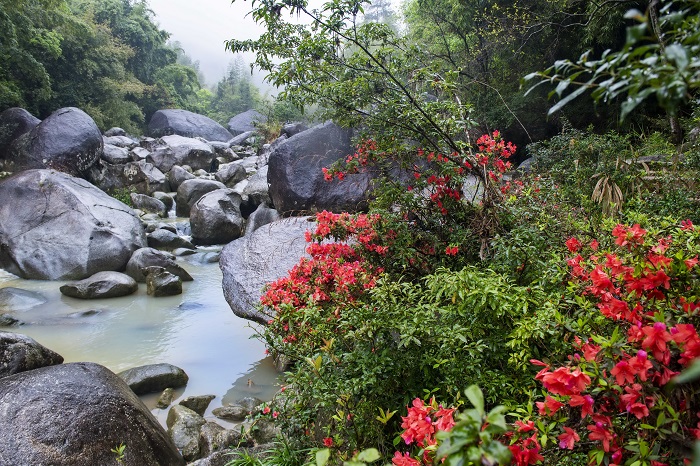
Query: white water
x=196, y=331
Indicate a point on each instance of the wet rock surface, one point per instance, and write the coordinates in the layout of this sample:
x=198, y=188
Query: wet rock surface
x=47, y=420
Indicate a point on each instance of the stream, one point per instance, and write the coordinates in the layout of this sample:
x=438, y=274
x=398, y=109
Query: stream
x=196, y=331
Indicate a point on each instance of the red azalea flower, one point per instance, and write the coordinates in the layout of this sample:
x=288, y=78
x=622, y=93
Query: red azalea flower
x=599, y=432
x=404, y=460
x=656, y=338
x=623, y=373
x=568, y=438
x=585, y=402
x=573, y=244
x=549, y=406
x=525, y=427
x=328, y=442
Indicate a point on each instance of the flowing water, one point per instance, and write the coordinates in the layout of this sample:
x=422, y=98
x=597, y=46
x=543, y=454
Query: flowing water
x=196, y=331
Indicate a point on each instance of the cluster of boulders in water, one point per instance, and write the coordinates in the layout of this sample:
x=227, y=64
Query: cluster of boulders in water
x=78, y=413
x=60, y=219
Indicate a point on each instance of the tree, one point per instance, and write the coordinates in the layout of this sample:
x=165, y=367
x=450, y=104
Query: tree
x=660, y=58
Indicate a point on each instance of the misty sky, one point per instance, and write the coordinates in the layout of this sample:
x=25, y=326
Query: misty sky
x=202, y=26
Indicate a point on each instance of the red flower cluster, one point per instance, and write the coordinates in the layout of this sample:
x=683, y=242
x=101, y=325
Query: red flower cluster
x=335, y=272
x=420, y=426
x=646, y=287
x=366, y=152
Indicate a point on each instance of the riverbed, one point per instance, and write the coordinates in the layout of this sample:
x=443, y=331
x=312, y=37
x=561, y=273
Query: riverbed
x=196, y=331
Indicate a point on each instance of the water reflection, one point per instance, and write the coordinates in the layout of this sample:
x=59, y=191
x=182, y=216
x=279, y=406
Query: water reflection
x=196, y=331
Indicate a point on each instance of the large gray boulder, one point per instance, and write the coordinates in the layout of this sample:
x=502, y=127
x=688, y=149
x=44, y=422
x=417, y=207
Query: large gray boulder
x=154, y=378
x=188, y=124
x=190, y=191
x=296, y=180
x=183, y=151
x=244, y=122
x=19, y=353
x=251, y=262
x=102, y=285
x=150, y=257
x=68, y=141
x=14, y=122
x=57, y=227
x=141, y=177
x=216, y=217
x=74, y=415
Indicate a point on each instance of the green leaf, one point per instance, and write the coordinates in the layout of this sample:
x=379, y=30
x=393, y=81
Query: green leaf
x=567, y=99
x=322, y=456
x=476, y=398
x=691, y=374
x=678, y=54
x=368, y=456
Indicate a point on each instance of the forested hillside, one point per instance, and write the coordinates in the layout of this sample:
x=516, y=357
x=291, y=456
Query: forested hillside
x=109, y=58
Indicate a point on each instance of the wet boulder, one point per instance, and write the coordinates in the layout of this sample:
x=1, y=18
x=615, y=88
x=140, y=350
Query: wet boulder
x=16, y=299
x=198, y=404
x=57, y=227
x=160, y=282
x=230, y=174
x=167, y=240
x=149, y=204
x=244, y=122
x=241, y=138
x=19, y=353
x=183, y=427
x=68, y=141
x=188, y=124
x=100, y=286
x=251, y=262
x=190, y=191
x=233, y=413
x=291, y=129
x=153, y=378
x=74, y=415
x=256, y=191
x=216, y=217
x=14, y=122
x=120, y=140
x=177, y=175
x=261, y=216
x=150, y=257
x=115, y=154
x=115, y=131
x=297, y=182
x=183, y=151
x=141, y=177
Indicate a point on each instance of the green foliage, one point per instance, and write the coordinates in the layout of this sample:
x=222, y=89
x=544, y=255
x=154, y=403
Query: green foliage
x=432, y=336
x=473, y=439
x=123, y=195
x=660, y=58
x=119, y=452
x=243, y=457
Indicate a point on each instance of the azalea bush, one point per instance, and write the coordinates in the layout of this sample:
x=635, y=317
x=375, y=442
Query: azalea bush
x=615, y=398
x=352, y=330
